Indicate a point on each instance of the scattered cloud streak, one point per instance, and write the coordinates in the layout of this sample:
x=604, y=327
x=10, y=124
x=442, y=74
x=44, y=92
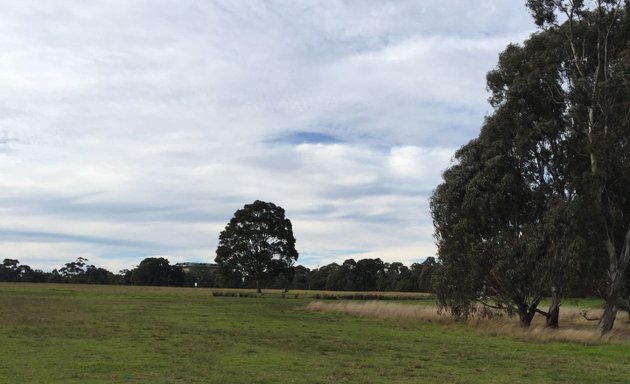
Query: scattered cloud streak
x=136, y=129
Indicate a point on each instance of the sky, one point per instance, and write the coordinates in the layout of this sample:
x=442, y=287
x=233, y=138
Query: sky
x=134, y=129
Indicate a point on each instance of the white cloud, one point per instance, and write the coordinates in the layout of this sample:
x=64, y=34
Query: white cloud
x=130, y=129
x=414, y=253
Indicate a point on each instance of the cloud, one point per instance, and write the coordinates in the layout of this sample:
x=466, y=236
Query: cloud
x=130, y=129
x=408, y=255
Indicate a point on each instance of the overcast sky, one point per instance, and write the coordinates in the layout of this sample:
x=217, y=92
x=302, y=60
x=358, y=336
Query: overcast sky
x=133, y=129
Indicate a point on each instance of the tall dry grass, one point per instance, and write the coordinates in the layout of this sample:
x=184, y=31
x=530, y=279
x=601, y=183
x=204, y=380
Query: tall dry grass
x=573, y=326
x=382, y=310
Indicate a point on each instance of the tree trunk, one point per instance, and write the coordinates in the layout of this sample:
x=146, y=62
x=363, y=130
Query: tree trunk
x=524, y=315
x=525, y=319
x=617, y=268
x=608, y=317
x=526, y=312
x=258, y=290
x=553, y=314
x=625, y=306
x=610, y=308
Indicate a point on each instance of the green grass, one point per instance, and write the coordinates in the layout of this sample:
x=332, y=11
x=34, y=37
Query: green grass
x=111, y=334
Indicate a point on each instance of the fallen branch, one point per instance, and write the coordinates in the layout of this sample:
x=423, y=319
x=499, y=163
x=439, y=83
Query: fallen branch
x=584, y=314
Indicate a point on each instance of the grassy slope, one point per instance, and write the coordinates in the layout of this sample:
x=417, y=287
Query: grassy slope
x=104, y=334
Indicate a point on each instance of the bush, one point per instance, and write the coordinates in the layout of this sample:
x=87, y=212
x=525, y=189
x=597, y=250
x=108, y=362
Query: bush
x=370, y=296
x=233, y=294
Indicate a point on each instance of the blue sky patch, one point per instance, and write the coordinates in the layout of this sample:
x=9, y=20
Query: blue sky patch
x=296, y=138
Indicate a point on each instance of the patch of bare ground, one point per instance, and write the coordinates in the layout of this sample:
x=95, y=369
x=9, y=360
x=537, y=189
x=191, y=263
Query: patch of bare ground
x=574, y=327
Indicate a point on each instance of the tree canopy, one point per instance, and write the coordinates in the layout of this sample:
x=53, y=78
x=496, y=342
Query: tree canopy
x=257, y=243
x=542, y=194
x=157, y=271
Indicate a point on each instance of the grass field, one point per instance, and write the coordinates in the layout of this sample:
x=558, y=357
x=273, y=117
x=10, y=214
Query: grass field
x=120, y=334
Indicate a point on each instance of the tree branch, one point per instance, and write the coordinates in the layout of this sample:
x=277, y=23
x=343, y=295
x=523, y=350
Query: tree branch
x=584, y=314
x=539, y=311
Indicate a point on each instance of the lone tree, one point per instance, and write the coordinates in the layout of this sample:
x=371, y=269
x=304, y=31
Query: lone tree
x=257, y=243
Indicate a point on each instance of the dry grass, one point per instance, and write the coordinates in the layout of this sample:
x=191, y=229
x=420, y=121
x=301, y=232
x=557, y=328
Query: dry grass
x=382, y=310
x=573, y=326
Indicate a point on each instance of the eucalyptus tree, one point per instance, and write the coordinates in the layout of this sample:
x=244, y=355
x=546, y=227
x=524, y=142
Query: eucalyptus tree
x=495, y=211
x=550, y=168
x=395, y=277
x=528, y=87
x=595, y=77
x=483, y=215
x=459, y=278
x=257, y=243
x=10, y=270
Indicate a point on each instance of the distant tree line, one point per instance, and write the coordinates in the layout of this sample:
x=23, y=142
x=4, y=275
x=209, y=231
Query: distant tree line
x=151, y=271
x=257, y=248
x=366, y=275
x=351, y=275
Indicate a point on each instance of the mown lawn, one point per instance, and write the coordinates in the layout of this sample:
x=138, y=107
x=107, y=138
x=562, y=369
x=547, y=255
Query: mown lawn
x=111, y=334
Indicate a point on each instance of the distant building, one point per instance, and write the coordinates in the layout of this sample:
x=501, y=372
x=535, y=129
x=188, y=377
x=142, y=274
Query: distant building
x=188, y=266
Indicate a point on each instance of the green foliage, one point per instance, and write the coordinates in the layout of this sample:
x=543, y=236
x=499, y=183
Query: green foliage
x=9, y=270
x=369, y=275
x=73, y=269
x=595, y=73
x=257, y=243
x=532, y=204
x=202, y=276
x=157, y=271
